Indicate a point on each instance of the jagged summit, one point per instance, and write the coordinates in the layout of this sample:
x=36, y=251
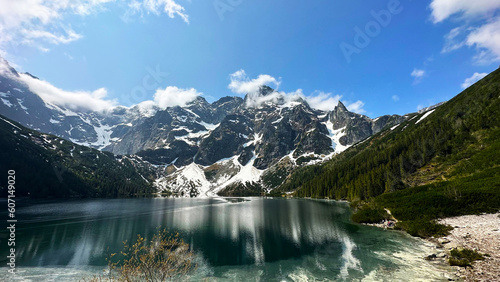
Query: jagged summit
x=32, y=76
x=6, y=68
x=265, y=90
x=198, y=100
x=340, y=107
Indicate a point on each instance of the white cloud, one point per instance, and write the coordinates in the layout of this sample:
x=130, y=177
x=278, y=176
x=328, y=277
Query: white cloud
x=88, y=7
x=417, y=73
x=443, y=9
x=96, y=100
x=173, y=96
x=170, y=7
x=16, y=13
x=487, y=37
x=241, y=84
x=473, y=79
x=31, y=35
x=452, y=41
x=41, y=22
x=481, y=28
x=255, y=100
x=147, y=108
x=356, y=107
x=323, y=101
x=395, y=98
x=75, y=100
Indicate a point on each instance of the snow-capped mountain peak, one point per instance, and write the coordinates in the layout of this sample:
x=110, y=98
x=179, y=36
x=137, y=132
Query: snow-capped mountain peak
x=254, y=135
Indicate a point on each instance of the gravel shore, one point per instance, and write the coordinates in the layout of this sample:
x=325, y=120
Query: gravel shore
x=480, y=233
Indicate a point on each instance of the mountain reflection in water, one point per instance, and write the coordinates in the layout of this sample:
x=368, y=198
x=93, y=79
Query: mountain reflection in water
x=278, y=237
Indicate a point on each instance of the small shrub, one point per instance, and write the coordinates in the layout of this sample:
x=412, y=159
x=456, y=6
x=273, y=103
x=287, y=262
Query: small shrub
x=164, y=258
x=464, y=257
x=370, y=215
x=424, y=228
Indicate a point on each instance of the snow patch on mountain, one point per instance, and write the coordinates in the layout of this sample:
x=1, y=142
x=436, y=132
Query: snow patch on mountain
x=103, y=136
x=257, y=139
x=186, y=140
x=339, y=148
x=290, y=104
x=63, y=111
x=192, y=138
x=258, y=134
x=278, y=120
x=247, y=174
x=323, y=116
x=189, y=181
x=6, y=102
x=335, y=135
x=20, y=102
x=425, y=115
x=208, y=126
x=191, y=112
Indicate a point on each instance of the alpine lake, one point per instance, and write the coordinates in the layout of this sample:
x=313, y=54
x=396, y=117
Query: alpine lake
x=234, y=239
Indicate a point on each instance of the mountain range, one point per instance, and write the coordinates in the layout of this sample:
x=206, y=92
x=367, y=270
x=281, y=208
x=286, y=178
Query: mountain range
x=232, y=146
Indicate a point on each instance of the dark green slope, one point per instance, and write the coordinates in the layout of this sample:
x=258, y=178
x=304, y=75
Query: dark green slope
x=449, y=159
x=48, y=166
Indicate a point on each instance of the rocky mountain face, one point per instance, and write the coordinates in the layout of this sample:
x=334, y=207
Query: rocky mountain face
x=359, y=127
x=89, y=128
x=229, y=146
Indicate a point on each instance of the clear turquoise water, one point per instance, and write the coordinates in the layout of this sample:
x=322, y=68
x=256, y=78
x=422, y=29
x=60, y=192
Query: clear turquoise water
x=254, y=239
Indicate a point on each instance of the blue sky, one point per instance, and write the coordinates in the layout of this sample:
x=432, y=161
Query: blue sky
x=416, y=53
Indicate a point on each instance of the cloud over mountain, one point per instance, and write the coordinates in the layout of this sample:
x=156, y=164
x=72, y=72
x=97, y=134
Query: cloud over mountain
x=242, y=84
x=75, y=100
x=173, y=96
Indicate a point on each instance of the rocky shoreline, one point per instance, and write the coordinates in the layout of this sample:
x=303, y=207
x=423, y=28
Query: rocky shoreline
x=476, y=232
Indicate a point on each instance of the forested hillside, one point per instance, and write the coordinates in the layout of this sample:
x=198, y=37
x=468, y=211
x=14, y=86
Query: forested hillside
x=49, y=166
x=457, y=139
